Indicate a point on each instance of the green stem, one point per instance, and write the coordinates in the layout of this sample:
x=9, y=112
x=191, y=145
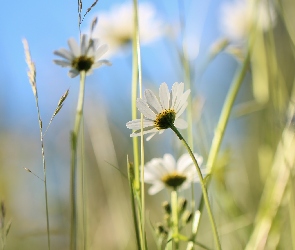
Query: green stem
x=204, y=190
x=137, y=75
x=74, y=143
x=44, y=169
x=134, y=97
x=174, y=206
x=133, y=205
x=225, y=113
x=83, y=185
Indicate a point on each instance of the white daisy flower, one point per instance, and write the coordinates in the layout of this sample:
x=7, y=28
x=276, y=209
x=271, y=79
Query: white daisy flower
x=161, y=114
x=237, y=18
x=116, y=27
x=166, y=172
x=83, y=58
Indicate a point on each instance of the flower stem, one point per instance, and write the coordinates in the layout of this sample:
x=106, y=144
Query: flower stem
x=74, y=143
x=225, y=113
x=204, y=190
x=174, y=205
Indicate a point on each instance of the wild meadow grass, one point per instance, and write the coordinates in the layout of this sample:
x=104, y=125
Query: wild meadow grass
x=203, y=162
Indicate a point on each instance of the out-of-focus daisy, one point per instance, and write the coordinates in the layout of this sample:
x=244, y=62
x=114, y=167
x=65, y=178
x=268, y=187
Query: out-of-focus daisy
x=161, y=114
x=166, y=172
x=82, y=58
x=239, y=16
x=116, y=27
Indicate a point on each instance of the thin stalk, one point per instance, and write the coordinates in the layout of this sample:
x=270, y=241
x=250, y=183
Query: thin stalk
x=84, y=201
x=174, y=206
x=224, y=117
x=204, y=190
x=133, y=206
x=44, y=171
x=225, y=113
x=44, y=167
x=137, y=73
x=32, y=80
x=74, y=144
x=133, y=99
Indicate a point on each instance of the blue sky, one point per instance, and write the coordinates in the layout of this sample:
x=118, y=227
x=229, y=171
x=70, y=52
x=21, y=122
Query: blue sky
x=47, y=25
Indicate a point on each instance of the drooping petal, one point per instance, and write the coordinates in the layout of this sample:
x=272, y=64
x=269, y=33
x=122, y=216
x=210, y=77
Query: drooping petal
x=179, y=113
x=182, y=100
x=153, y=168
x=136, y=124
x=73, y=73
x=164, y=95
x=62, y=63
x=152, y=130
x=152, y=100
x=100, y=63
x=145, y=110
x=151, y=136
x=64, y=54
x=100, y=51
x=74, y=47
x=180, y=123
x=156, y=188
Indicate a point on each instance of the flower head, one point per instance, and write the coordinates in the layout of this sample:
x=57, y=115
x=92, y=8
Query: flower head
x=116, y=27
x=83, y=58
x=166, y=172
x=161, y=114
x=239, y=16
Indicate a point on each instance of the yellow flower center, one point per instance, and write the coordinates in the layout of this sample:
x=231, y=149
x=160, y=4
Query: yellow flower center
x=173, y=179
x=165, y=119
x=82, y=63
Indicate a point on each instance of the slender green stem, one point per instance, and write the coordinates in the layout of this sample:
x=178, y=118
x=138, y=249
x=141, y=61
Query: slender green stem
x=174, y=206
x=134, y=97
x=84, y=197
x=204, y=190
x=137, y=75
x=133, y=205
x=74, y=143
x=44, y=168
x=225, y=113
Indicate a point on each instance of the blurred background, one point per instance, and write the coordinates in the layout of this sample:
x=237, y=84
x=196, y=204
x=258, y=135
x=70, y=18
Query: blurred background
x=250, y=141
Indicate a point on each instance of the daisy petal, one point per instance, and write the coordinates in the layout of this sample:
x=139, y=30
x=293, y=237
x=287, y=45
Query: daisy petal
x=101, y=62
x=74, y=47
x=62, y=63
x=180, y=123
x=73, y=73
x=164, y=95
x=152, y=130
x=152, y=100
x=84, y=44
x=64, y=54
x=136, y=124
x=179, y=113
x=156, y=188
x=182, y=100
x=151, y=136
x=169, y=162
x=174, y=94
x=145, y=110
x=179, y=93
x=100, y=51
